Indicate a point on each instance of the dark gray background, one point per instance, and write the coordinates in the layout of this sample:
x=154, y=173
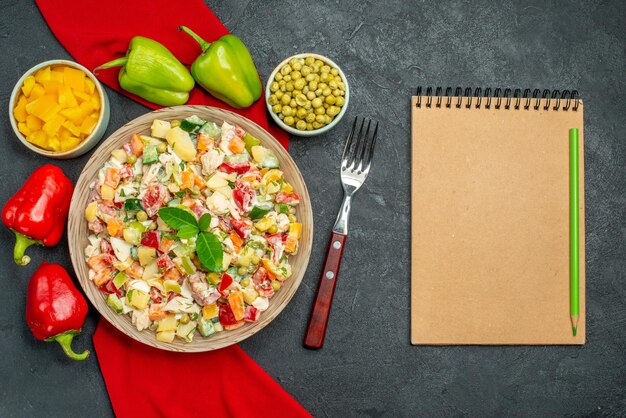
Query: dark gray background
x=368, y=367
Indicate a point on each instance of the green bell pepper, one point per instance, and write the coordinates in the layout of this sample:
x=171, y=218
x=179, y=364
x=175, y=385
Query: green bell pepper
x=152, y=72
x=225, y=69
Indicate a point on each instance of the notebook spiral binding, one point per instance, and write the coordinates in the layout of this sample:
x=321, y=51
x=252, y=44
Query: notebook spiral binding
x=554, y=99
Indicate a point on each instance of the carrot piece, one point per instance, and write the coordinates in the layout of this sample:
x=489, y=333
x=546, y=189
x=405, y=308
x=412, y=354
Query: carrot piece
x=236, y=239
x=115, y=227
x=136, y=145
x=157, y=311
x=187, y=180
x=112, y=177
x=236, y=145
x=165, y=245
x=199, y=181
x=205, y=142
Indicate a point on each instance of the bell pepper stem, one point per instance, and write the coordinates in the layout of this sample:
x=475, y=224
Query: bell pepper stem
x=65, y=341
x=203, y=44
x=118, y=62
x=22, y=242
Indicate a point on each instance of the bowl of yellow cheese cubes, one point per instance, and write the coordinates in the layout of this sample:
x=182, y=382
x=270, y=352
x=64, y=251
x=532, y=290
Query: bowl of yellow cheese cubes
x=58, y=109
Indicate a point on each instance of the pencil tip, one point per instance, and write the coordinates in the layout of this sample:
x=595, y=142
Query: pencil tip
x=574, y=330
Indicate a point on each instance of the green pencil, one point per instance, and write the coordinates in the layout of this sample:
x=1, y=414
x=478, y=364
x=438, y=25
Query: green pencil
x=574, y=300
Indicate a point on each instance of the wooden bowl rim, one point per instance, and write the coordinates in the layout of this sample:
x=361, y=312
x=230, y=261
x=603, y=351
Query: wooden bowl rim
x=76, y=220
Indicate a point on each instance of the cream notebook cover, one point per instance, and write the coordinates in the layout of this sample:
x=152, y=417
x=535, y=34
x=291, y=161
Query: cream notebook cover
x=490, y=219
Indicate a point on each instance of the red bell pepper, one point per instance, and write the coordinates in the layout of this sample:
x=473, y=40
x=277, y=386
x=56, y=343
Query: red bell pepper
x=239, y=168
x=288, y=198
x=226, y=315
x=55, y=309
x=38, y=211
x=225, y=283
x=150, y=239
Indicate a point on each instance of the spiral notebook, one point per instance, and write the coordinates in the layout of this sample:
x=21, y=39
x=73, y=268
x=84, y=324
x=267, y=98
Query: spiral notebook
x=490, y=217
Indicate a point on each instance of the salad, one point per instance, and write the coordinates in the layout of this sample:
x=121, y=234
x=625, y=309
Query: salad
x=191, y=229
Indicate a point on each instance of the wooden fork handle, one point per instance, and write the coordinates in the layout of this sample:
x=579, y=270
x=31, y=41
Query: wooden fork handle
x=318, y=321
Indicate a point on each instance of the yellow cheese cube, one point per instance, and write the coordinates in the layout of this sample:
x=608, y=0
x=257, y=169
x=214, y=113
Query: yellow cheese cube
x=87, y=107
x=21, y=126
x=75, y=114
x=36, y=92
x=51, y=86
x=95, y=101
x=75, y=79
x=63, y=133
x=90, y=87
x=54, y=144
x=38, y=138
x=29, y=83
x=50, y=113
x=70, y=126
x=88, y=124
x=52, y=125
x=70, y=143
x=40, y=106
x=82, y=97
x=43, y=75
x=33, y=123
x=20, y=109
x=66, y=98
x=56, y=75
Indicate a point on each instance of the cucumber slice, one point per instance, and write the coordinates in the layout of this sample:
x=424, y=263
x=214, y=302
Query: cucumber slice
x=192, y=124
x=119, y=279
x=206, y=328
x=260, y=210
x=237, y=158
x=250, y=141
x=115, y=303
x=211, y=129
x=150, y=154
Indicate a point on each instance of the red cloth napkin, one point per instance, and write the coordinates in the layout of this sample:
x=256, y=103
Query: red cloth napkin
x=96, y=31
x=141, y=380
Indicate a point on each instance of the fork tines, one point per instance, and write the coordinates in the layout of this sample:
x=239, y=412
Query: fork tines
x=357, y=154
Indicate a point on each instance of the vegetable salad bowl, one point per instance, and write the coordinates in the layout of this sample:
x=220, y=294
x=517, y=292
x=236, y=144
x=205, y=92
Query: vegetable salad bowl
x=78, y=231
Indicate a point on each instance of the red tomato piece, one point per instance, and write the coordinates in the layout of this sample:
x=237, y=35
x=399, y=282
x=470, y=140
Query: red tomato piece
x=243, y=195
x=243, y=227
x=164, y=262
x=239, y=168
x=156, y=196
x=226, y=315
x=252, y=314
x=109, y=287
x=150, y=239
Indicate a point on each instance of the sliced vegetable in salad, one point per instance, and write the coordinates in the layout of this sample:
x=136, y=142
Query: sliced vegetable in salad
x=191, y=229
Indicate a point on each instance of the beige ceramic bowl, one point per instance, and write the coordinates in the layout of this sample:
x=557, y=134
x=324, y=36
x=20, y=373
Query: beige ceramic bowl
x=77, y=231
x=89, y=142
x=291, y=129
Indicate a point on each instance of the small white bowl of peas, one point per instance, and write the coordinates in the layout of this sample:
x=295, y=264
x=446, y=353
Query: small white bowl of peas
x=307, y=94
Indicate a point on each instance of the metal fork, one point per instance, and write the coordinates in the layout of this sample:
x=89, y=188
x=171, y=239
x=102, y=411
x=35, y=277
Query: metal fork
x=355, y=166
